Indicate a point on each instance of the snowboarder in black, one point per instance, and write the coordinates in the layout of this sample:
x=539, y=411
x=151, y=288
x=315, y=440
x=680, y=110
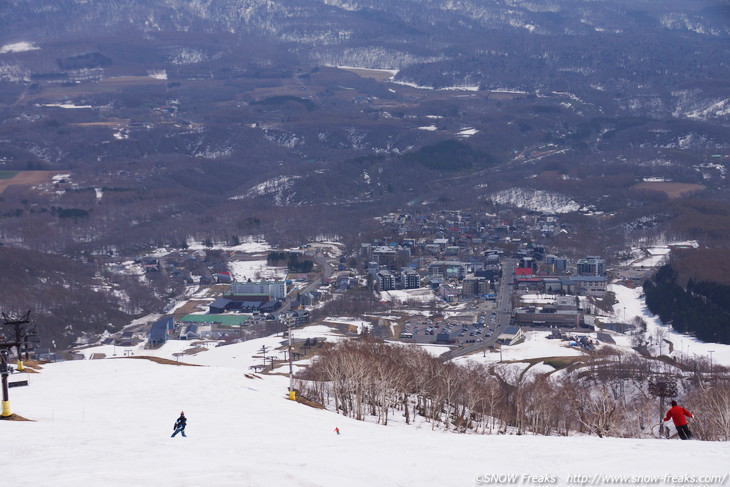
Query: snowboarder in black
x=180, y=425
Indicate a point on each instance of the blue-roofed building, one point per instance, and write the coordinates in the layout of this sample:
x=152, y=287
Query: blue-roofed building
x=220, y=305
x=160, y=331
x=270, y=306
x=191, y=332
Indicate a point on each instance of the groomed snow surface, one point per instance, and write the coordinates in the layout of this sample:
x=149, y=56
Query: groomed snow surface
x=108, y=423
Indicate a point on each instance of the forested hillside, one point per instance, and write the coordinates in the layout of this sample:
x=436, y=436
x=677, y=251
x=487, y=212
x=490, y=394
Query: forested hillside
x=692, y=293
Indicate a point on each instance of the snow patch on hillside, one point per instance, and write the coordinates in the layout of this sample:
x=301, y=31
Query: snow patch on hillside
x=214, y=153
x=251, y=244
x=187, y=55
x=716, y=109
x=160, y=74
x=691, y=104
x=679, y=21
x=461, y=88
x=536, y=200
x=18, y=47
x=371, y=57
x=413, y=85
x=467, y=132
x=13, y=74
x=284, y=139
x=522, y=24
x=277, y=187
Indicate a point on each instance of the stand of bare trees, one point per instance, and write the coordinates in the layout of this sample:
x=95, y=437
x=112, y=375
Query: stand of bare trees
x=711, y=404
x=371, y=378
x=603, y=395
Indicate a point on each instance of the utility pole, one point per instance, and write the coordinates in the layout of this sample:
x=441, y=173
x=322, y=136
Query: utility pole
x=292, y=393
x=263, y=351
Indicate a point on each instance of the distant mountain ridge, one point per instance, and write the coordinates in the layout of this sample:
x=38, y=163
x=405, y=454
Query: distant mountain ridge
x=571, y=45
x=278, y=17
x=214, y=119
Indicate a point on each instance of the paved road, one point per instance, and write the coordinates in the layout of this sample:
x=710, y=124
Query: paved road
x=326, y=271
x=286, y=304
x=506, y=289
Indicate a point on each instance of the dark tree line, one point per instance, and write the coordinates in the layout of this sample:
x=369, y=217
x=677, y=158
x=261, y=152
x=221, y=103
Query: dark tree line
x=294, y=262
x=701, y=308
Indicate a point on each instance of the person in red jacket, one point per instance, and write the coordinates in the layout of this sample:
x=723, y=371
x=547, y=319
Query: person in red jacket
x=679, y=415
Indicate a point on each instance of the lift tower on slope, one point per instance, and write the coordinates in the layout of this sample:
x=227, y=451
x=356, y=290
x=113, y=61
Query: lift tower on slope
x=19, y=339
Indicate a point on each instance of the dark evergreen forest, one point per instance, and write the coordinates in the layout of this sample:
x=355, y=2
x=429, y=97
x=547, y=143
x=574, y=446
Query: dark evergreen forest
x=700, y=308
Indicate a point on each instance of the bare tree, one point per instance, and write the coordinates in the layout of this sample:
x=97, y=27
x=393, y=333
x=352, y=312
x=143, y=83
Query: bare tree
x=712, y=401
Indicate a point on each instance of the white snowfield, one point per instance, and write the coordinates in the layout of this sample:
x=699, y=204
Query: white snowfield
x=256, y=270
x=108, y=423
x=630, y=304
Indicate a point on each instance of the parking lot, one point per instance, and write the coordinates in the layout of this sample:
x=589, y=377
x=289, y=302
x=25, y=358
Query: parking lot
x=456, y=331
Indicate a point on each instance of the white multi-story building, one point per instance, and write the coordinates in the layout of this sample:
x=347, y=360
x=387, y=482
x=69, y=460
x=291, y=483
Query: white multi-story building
x=273, y=289
x=410, y=279
x=591, y=266
x=386, y=280
x=448, y=269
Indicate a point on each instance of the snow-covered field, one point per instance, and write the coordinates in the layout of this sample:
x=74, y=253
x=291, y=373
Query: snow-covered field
x=250, y=246
x=536, y=345
x=656, y=257
x=108, y=422
x=358, y=324
x=256, y=270
x=422, y=295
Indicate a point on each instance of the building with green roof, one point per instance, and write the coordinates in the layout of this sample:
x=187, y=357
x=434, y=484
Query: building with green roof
x=224, y=321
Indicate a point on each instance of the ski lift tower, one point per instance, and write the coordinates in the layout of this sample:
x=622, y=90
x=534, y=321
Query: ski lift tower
x=662, y=387
x=292, y=393
x=22, y=336
x=4, y=372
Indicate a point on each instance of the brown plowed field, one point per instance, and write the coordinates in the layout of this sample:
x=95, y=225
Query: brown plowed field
x=28, y=178
x=672, y=190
